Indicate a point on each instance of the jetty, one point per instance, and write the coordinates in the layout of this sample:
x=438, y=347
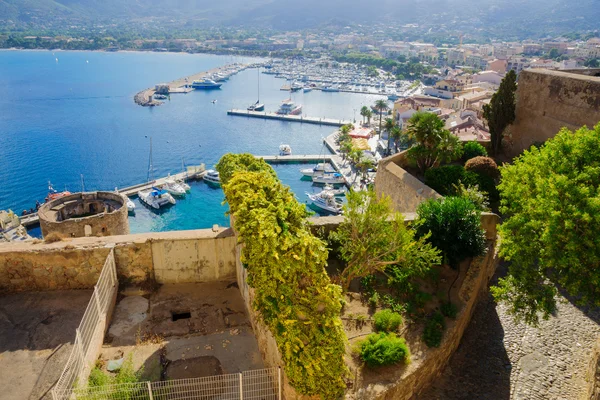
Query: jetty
x=145, y=97
x=292, y=118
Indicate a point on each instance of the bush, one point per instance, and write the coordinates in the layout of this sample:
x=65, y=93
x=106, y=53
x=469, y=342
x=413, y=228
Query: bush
x=483, y=166
x=387, y=320
x=472, y=150
x=53, y=237
x=454, y=226
x=474, y=194
x=434, y=330
x=442, y=178
x=449, y=310
x=380, y=349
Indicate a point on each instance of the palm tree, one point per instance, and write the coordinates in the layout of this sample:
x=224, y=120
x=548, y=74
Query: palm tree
x=396, y=134
x=346, y=148
x=381, y=106
x=388, y=126
x=369, y=115
x=364, y=111
x=364, y=165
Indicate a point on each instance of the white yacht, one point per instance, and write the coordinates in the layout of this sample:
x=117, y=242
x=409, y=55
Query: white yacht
x=336, y=192
x=183, y=184
x=333, y=179
x=319, y=169
x=130, y=203
x=288, y=107
x=156, y=198
x=174, y=188
x=285, y=150
x=212, y=176
x=326, y=201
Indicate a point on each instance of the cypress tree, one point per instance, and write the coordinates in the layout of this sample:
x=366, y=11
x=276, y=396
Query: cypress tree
x=501, y=111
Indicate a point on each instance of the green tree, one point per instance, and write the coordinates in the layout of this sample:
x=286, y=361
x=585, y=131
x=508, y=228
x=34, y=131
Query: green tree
x=551, y=230
x=381, y=106
x=369, y=115
x=397, y=136
x=364, y=165
x=500, y=112
x=388, y=126
x=434, y=143
x=363, y=112
x=372, y=237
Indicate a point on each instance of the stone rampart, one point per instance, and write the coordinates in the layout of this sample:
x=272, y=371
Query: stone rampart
x=548, y=101
x=169, y=257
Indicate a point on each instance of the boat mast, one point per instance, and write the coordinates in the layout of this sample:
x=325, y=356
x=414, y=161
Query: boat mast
x=258, y=99
x=150, y=168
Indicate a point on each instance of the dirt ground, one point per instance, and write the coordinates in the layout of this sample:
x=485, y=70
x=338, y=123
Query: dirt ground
x=37, y=330
x=184, y=331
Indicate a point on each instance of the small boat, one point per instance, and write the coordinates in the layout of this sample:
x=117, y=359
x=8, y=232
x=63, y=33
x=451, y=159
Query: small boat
x=333, y=179
x=156, y=198
x=330, y=89
x=319, y=169
x=326, y=201
x=288, y=107
x=160, y=97
x=393, y=97
x=336, y=192
x=307, y=89
x=54, y=194
x=130, y=204
x=214, y=101
x=212, y=176
x=285, y=150
x=206, y=84
x=296, y=86
x=174, y=188
x=256, y=106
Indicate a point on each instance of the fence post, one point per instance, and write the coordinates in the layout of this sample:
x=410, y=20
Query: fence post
x=150, y=390
x=278, y=383
x=241, y=387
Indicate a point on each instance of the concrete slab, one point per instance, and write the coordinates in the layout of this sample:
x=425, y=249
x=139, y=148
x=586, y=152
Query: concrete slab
x=129, y=314
x=37, y=330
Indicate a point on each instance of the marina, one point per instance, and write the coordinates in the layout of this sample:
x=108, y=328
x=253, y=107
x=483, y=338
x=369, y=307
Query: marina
x=288, y=117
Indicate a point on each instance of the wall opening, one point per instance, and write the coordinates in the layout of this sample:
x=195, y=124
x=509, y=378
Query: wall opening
x=175, y=316
x=87, y=230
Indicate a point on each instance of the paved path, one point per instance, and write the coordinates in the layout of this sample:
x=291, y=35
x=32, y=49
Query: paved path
x=499, y=359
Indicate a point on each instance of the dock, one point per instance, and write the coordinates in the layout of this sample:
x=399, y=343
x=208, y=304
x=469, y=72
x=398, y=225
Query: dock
x=292, y=118
x=300, y=159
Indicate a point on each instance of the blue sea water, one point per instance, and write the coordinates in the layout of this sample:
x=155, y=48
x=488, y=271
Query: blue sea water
x=63, y=114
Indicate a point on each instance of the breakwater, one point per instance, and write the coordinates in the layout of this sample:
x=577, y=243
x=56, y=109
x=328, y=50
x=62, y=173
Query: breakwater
x=293, y=118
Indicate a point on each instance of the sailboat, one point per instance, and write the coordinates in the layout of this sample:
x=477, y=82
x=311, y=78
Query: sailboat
x=155, y=197
x=258, y=106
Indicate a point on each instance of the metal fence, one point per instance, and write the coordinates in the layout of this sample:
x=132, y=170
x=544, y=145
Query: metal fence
x=262, y=384
x=90, y=333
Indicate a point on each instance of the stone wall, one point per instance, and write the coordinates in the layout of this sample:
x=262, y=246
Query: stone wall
x=170, y=257
x=85, y=214
x=548, y=101
x=406, y=191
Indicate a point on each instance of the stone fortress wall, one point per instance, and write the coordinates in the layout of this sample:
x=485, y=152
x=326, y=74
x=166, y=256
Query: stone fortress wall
x=170, y=257
x=85, y=214
x=550, y=100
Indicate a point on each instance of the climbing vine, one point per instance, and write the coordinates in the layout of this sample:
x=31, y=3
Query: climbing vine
x=285, y=264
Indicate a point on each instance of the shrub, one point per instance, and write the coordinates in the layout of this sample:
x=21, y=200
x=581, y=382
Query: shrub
x=483, y=166
x=380, y=349
x=374, y=300
x=387, y=320
x=442, y=178
x=434, y=330
x=449, y=309
x=474, y=194
x=472, y=150
x=454, y=226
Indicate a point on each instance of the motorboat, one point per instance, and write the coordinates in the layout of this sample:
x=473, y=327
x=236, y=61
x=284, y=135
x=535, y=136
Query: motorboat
x=331, y=189
x=160, y=97
x=330, y=89
x=319, y=169
x=288, y=107
x=393, y=97
x=130, y=204
x=206, y=84
x=285, y=150
x=183, y=184
x=296, y=86
x=53, y=194
x=156, y=198
x=307, y=89
x=173, y=187
x=326, y=201
x=332, y=179
x=213, y=177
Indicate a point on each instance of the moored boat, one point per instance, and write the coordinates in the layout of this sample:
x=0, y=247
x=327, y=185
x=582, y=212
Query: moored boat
x=174, y=188
x=285, y=150
x=319, y=169
x=288, y=107
x=326, y=201
x=156, y=198
x=336, y=192
x=256, y=107
x=54, y=194
x=333, y=179
x=206, y=84
x=212, y=177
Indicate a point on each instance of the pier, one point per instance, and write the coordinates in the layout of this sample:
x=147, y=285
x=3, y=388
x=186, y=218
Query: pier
x=293, y=118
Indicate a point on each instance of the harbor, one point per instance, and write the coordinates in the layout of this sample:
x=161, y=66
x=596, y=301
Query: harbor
x=292, y=118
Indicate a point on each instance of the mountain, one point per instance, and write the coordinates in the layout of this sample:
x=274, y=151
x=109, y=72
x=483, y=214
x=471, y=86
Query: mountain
x=540, y=16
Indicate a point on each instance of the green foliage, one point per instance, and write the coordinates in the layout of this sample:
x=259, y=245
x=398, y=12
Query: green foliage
x=476, y=196
x=551, y=231
x=500, y=112
x=483, y=165
x=435, y=145
x=387, y=320
x=409, y=69
x=473, y=149
x=449, y=309
x=127, y=374
x=373, y=237
x=434, y=330
x=443, y=179
x=285, y=265
x=380, y=349
x=454, y=226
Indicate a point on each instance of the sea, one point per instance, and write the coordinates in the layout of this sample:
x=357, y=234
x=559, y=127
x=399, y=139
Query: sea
x=69, y=118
